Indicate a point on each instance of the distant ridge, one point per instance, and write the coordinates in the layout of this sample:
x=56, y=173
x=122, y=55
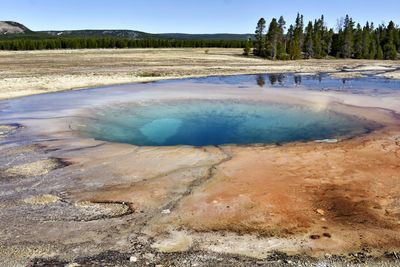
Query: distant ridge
x=99, y=33
x=12, y=27
x=9, y=29
x=131, y=34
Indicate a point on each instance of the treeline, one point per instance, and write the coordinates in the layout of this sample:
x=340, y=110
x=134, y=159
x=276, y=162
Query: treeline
x=82, y=43
x=316, y=40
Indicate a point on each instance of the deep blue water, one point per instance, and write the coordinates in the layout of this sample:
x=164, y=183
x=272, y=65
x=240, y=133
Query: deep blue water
x=205, y=122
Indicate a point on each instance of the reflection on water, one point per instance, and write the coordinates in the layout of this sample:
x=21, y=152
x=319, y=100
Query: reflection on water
x=277, y=78
x=297, y=79
x=260, y=80
x=320, y=81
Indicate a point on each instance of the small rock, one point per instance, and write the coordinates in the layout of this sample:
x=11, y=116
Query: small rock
x=315, y=237
x=133, y=259
x=176, y=242
x=327, y=235
x=215, y=202
x=149, y=256
x=73, y=264
x=166, y=211
x=159, y=265
x=320, y=211
x=327, y=141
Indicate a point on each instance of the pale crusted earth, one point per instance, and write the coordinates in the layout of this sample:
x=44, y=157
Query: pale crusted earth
x=71, y=200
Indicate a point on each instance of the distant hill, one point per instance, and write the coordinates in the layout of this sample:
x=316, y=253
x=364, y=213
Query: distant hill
x=130, y=34
x=11, y=29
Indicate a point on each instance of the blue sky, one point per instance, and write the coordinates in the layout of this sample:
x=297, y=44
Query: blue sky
x=189, y=16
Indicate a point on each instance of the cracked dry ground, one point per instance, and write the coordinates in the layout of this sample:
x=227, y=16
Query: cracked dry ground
x=301, y=199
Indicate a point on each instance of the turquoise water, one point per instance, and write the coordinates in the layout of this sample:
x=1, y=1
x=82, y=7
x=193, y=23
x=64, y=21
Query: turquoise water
x=205, y=122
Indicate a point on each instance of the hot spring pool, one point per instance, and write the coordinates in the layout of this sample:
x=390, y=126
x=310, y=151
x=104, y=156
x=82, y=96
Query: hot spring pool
x=209, y=122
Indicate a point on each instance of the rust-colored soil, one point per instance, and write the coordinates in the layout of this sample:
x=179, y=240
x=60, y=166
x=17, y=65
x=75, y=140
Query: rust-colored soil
x=341, y=196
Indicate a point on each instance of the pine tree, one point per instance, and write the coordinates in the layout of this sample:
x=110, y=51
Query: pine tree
x=298, y=37
x=317, y=38
x=281, y=51
x=390, y=51
x=358, y=42
x=289, y=42
x=308, y=42
x=379, y=53
x=281, y=25
x=336, y=45
x=328, y=42
x=366, y=41
x=373, y=50
x=326, y=38
x=272, y=39
x=281, y=44
x=397, y=38
x=348, y=39
x=389, y=48
x=259, y=49
x=295, y=39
